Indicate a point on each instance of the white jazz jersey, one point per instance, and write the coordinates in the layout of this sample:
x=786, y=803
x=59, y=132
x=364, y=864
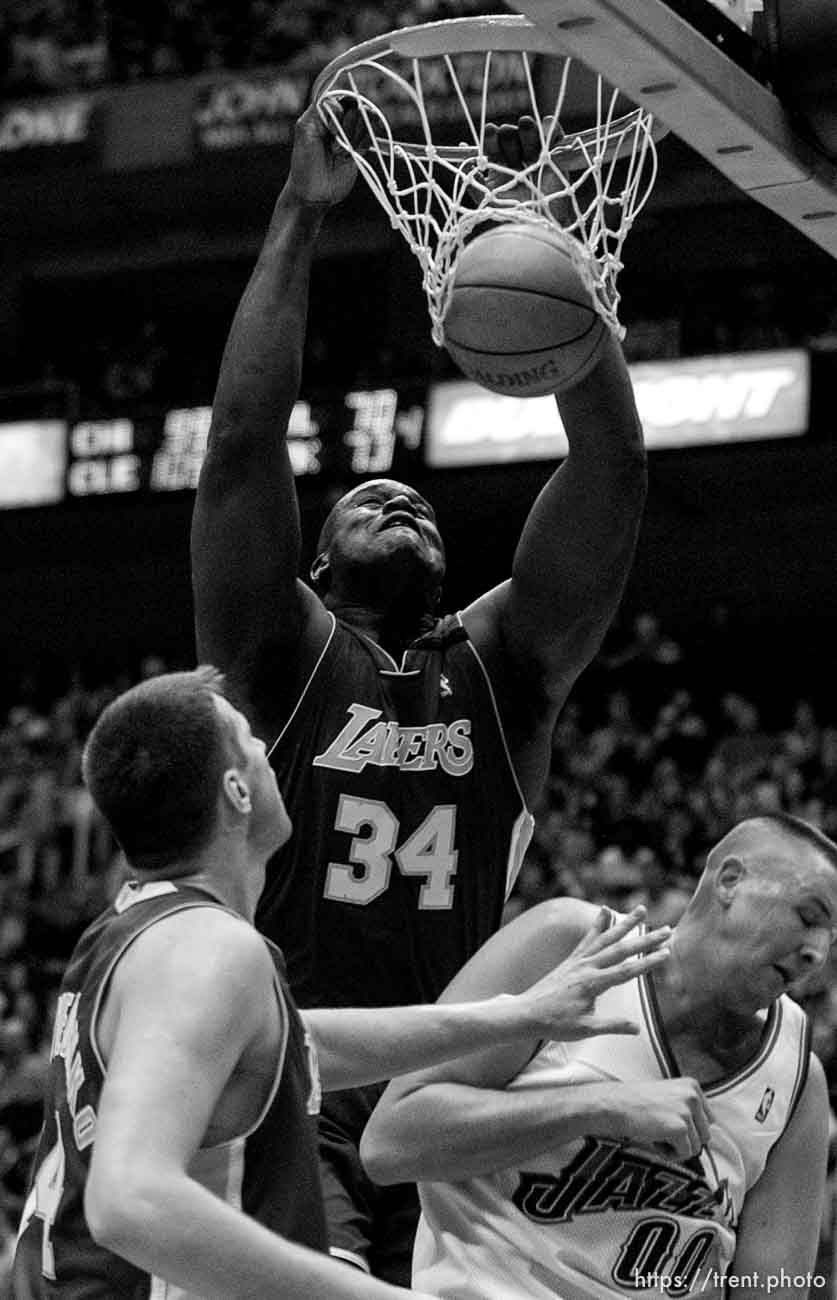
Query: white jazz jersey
x=599, y=1218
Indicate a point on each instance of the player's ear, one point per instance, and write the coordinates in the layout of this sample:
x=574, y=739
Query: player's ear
x=730, y=874
x=237, y=790
x=320, y=573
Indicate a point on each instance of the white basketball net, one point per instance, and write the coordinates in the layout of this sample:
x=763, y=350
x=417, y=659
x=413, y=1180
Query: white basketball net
x=454, y=78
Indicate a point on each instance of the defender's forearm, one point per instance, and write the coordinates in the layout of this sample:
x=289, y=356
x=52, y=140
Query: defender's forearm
x=358, y=1045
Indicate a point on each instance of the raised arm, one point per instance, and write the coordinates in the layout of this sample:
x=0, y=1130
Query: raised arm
x=537, y=631
x=578, y=542
x=544, y=626
x=245, y=530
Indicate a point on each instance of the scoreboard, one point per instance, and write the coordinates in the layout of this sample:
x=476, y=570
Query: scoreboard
x=163, y=453
x=47, y=461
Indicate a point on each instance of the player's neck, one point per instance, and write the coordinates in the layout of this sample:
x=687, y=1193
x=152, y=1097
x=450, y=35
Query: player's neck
x=692, y=1006
x=393, y=628
x=229, y=873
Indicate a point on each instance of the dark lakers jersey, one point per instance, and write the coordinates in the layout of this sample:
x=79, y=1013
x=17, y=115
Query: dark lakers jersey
x=409, y=823
x=56, y=1255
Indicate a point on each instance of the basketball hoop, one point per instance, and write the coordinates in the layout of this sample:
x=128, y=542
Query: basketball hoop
x=426, y=95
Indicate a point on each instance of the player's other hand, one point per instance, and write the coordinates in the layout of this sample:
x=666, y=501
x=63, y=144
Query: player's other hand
x=668, y=1113
x=563, y=1003
x=322, y=172
x=517, y=147
x=517, y=144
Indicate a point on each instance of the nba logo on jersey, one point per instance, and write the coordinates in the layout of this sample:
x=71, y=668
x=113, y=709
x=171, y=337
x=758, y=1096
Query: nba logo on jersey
x=765, y=1104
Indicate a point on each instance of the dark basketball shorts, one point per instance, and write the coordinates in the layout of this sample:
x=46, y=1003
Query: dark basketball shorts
x=370, y=1227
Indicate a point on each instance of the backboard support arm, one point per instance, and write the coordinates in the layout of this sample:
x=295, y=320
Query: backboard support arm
x=660, y=61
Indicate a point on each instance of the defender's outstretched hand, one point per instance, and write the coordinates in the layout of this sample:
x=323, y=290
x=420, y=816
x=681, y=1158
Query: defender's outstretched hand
x=564, y=1001
x=322, y=172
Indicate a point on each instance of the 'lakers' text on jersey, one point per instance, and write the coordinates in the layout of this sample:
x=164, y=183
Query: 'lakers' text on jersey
x=56, y=1255
x=600, y=1218
x=409, y=823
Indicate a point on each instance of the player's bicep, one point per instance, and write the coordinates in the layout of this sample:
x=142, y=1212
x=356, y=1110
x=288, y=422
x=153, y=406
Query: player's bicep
x=530, y=686
x=780, y=1222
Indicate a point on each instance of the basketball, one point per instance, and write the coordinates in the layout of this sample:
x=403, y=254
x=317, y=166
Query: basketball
x=521, y=321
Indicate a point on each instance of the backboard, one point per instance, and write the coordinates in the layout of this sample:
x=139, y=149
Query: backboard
x=663, y=61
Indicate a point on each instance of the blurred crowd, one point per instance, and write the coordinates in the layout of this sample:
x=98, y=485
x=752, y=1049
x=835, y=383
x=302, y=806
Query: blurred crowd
x=653, y=760
x=54, y=45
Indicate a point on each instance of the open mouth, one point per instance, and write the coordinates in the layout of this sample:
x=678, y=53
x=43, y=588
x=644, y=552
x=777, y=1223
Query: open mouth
x=399, y=520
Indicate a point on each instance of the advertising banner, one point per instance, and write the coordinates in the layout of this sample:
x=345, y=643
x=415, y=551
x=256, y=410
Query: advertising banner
x=684, y=403
x=55, y=130
x=248, y=109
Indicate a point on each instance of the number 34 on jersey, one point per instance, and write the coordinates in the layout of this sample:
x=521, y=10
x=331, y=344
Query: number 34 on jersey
x=428, y=853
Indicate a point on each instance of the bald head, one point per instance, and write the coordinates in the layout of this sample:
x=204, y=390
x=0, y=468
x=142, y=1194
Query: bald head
x=776, y=844
x=762, y=919
x=773, y=836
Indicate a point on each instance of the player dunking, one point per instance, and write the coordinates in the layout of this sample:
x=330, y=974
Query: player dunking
x=408, y=747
